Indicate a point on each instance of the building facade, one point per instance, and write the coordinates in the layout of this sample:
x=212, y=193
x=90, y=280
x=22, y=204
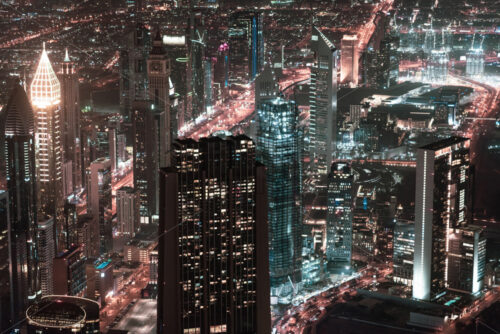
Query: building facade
x=99, y=202
x=213, y=273
x=127, y=210
x=46, y=253
x=323, y=102
x=279, y=149
x=20, y=169
x=45, y=92
x=70, y=101
x=349, y=59
x=69, y=272
x=441, y=197
x=339, y=216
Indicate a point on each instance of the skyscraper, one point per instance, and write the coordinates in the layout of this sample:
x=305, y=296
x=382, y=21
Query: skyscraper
x=158, y=76
x=213, y=259
x=69, y=272
x=246, y=46
x=46, y=100
x=279, y=149
x=99, y=202
x=197, y=46
x=21, y=185
x=349, y=60
x=467, y=259
x=339, y=216
x=6, y=296
x=442, y=191
x=46, y=253
x=145, y=157
x=127, y=210
x=71, y=118
x=323, y=102
x=133, y=68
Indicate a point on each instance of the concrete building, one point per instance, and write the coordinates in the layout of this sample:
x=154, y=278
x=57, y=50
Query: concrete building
x=349, y=59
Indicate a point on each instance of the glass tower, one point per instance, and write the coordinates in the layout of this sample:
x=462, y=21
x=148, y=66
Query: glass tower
x=278, y=148
x=323, y=102
x=339, y=217
x=21, y=185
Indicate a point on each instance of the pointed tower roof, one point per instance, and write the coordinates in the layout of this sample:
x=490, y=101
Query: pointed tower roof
x=158, y=48
x=66, y=56
x=19, y=120
x=45, y=88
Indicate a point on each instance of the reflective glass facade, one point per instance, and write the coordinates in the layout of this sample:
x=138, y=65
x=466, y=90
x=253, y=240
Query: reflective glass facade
x=278, y=148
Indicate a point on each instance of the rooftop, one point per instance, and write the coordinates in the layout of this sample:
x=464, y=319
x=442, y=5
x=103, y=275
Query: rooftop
x=445, y=143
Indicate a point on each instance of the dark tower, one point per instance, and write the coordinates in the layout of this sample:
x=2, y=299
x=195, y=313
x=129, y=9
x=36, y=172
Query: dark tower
x=20, y=174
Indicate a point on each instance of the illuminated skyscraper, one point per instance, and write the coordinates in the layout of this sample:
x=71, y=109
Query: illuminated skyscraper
x=339, y=217
x=145, y=157
x=127, y=210
x=474, y=62
x=213, y=273
x=466, y=259
x=158, y=76
x=21, y=185
x=404, y=248
x=442, y=194
x=99, y=204
x=197, y=46
x=437, y=66
x=46, y=100
x=46, y=253
x=133, y=68
x=323, y=102
x=71, y=118
x=246, y=46
x=279, y=149
x=349, y=60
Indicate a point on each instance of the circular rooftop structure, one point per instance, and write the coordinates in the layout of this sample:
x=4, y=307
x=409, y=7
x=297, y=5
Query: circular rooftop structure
x=65, y=314
x=56, y=313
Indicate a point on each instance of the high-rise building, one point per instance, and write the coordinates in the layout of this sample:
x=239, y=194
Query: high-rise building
x=99, y=201
x=127, y=210
x=99, y=280
x=279, y=149
x=404, y=247
x=349, y=58
x=133, y=68
x=339, y=216
x=20, y=171
x=46, y=253
x=158, y=77
x=69, y=272
x=213, y=246
x=88, y=236
x=441, y=197
x=323, y=102
x=46, y=100
x=266, y=86
x=70, y=101
x=474, y=65
x=466, y=259
x=145, y=158
x=6, y=307
x=246, y=46
x=437, y=66
x=197, y=48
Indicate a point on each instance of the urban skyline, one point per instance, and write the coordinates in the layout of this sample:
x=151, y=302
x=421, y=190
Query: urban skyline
x=221, y=166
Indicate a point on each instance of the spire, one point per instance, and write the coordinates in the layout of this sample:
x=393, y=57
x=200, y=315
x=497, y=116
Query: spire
x=66, y=56
x=18, y=114
x=45, y=88
x=158, y=48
